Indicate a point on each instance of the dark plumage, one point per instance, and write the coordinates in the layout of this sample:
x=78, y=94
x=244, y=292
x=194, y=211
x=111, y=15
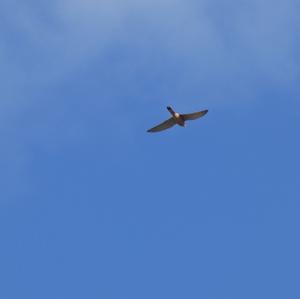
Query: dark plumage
x=178, y=119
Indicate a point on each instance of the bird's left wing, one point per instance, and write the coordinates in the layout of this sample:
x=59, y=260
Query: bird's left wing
x=195, y=115
x=163, y=126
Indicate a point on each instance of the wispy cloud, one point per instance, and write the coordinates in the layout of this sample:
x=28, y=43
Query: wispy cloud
x=209, y=40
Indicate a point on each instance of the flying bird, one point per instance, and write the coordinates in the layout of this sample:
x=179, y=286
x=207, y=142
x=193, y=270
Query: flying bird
x=177, y=119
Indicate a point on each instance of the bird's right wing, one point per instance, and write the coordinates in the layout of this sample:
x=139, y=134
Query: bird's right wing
x=195, y=115
x=163, y=126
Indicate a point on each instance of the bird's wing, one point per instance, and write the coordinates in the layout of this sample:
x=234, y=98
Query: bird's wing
x=163, y=126
x=195, y=115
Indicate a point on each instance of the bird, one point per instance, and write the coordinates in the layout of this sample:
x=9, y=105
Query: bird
x=176, y=119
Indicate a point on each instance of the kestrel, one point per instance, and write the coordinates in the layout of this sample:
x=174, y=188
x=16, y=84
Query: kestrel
x=178, y=119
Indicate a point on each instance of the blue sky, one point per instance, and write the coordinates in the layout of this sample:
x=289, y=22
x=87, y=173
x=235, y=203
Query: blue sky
x=92, y=206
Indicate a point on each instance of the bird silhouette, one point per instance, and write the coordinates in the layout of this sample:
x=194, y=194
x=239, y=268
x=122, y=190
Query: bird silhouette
x=177, y=119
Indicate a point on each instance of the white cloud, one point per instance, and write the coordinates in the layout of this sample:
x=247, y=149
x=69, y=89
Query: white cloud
x=211, y=40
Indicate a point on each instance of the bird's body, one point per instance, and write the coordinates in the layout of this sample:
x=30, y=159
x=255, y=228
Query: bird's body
x=177, y=119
